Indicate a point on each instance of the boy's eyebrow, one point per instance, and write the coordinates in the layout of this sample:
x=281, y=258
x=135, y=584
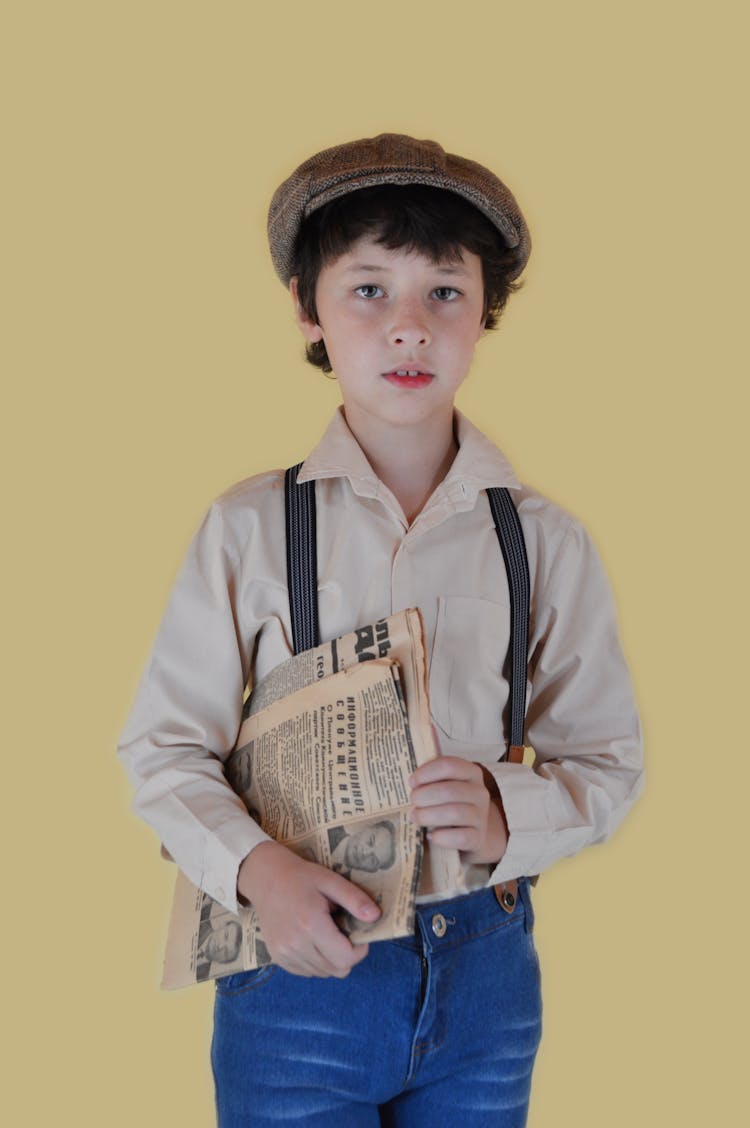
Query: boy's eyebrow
x=358, y=267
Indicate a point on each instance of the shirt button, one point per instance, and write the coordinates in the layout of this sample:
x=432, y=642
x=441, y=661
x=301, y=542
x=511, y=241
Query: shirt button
x=439, y=927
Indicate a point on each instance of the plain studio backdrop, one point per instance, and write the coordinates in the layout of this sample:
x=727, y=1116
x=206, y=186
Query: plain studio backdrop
x=151, y=360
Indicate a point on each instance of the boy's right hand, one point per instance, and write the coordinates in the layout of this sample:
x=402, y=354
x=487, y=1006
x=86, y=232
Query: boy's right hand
x=294, y=900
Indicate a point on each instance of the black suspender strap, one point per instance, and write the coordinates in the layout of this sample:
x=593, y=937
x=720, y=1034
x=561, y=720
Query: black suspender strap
x=301, y=560
x=302, y=580
x=513, y=548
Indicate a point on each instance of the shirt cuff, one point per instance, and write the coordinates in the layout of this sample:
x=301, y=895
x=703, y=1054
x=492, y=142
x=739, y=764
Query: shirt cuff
x=529, y=832
x=225, y=851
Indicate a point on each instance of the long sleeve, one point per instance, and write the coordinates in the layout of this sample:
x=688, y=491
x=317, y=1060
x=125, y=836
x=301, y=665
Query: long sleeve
x=186, y=717
x=581, y=720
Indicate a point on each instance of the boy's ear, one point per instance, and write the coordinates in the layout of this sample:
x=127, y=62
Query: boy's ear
x=310, y=329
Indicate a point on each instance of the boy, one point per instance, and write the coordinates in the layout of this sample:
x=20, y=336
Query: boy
x=398, y=256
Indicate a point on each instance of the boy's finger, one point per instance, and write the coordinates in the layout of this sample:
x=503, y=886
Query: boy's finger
x=445, y=791
x=348, y=896
x=335, y=951
x=455, y=838
x=360, y=952
x=327, y=953
x=449, y=814
x=444, y=767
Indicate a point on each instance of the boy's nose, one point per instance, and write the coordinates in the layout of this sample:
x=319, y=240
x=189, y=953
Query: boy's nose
x=409, y=328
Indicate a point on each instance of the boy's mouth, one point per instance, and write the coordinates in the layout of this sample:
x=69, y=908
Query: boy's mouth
x=408, y=377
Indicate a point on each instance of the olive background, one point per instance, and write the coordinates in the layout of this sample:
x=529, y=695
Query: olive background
x=150, y=359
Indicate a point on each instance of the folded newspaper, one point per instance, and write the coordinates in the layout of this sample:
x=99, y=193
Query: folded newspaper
x=326, y=746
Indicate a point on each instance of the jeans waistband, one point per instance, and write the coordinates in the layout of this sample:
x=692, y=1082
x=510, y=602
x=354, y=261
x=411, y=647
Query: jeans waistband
x=443, y=924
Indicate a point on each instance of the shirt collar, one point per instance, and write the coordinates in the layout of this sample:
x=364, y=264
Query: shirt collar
x=478, y=464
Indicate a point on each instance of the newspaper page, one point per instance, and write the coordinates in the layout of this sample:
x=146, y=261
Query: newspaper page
x=322, y=761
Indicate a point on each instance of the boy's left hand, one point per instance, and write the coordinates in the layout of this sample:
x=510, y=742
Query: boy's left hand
x=450, y=797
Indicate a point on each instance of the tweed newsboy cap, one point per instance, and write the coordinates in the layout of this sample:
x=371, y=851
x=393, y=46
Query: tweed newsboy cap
x=389, y=158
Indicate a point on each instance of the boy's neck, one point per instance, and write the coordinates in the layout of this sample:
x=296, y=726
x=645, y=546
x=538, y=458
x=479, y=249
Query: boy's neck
x=411, y=460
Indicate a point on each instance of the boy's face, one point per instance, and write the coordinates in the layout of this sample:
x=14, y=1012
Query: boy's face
x=399, y=329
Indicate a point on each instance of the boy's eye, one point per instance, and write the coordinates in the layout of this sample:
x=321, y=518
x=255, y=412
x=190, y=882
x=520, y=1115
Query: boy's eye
x=368, y=291
x=446, y=293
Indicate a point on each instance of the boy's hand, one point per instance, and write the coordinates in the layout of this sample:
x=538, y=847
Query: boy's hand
x=294, y=900
x=451, y=797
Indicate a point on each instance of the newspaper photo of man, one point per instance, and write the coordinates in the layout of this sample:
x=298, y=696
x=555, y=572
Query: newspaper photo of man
x=369, y=848
x=219, y=942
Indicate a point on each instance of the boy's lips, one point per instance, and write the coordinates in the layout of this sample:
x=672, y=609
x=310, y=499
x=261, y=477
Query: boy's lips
x=408, y=377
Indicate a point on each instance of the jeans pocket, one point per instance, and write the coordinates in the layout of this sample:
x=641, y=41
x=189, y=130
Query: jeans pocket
x=240, y=981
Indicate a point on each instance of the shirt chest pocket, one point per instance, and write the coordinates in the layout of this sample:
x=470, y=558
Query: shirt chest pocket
x=468, y=691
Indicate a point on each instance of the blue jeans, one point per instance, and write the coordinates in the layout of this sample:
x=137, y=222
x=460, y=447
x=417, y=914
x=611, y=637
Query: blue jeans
x=439, y=1025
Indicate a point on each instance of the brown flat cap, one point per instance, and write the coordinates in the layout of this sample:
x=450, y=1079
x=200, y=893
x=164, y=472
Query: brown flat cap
x=389, y=158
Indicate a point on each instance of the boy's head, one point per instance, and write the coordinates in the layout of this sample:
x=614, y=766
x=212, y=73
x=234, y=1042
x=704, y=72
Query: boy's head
x=403, y=194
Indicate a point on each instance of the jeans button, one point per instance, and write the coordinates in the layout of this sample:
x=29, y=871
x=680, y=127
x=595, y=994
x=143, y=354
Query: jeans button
x=439, y=927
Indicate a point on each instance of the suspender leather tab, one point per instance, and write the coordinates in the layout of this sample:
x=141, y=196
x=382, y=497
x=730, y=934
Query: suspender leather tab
x=506, y=894
x=515, y=754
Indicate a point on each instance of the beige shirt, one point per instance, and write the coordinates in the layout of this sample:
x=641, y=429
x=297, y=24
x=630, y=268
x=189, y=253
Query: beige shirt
x=227, y=624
